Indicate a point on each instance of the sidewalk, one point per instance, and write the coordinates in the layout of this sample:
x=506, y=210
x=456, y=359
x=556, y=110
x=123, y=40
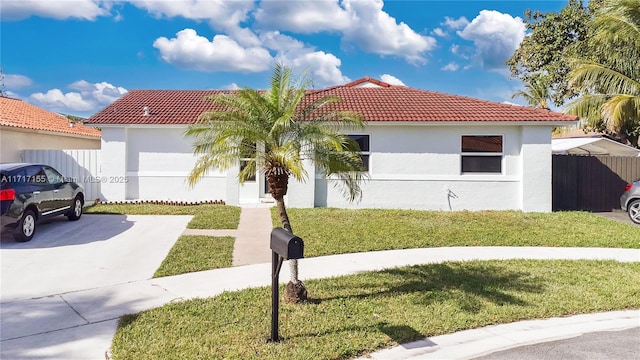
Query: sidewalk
x=81, y=324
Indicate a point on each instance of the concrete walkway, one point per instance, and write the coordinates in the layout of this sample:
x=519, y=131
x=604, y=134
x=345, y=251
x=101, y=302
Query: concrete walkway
x=81, y=324
x=252, y=236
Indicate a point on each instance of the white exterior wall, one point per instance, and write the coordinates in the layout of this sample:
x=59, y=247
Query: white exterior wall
x=155, y=162
x=418, y=167
x=301, y=194
x=114, y=163
x=412, y=166
x=536, y=175
x=14, y=140
x=159, y=160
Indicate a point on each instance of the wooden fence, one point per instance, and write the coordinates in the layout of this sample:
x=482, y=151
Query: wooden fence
x=591, y=183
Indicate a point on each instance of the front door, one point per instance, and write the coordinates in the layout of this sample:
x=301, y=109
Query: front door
x=249, y=192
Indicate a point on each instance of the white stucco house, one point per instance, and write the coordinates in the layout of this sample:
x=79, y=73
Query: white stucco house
x=423, y=150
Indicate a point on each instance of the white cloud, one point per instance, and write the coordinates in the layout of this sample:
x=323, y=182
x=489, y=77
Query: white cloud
x=495, y=35
x=398, y=39
x=56, y=100
x=452, y=23
x=232, y=86
x=452, y=66
x=464, y=52
x=511, y=103
x=324, y=67
x=392, y=80
x=102, y=93
x=15, y=81
x=361, y=23
x=88, y=97
x=220, y=14
x=56, y=9
x=303, y=16
x=439, y=32
x=192, y=51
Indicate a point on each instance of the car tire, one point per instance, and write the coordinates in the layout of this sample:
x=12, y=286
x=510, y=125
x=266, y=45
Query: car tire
x=634, y=211
x=76, y=209
x=26, y=227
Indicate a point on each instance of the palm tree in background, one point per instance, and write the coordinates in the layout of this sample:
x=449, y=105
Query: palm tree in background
x=274, y=131
x=536, y=93
x=611, y=79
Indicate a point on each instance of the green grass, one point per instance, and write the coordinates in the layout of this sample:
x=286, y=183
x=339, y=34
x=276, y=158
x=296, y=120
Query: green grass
x=352, y=315
x=204, y=216
x=197, y=253
x=328, y=231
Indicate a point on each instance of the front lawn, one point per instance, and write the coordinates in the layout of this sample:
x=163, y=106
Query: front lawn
x=197, y=253
x=204, y=216
x=328, y=231
x=352, y=315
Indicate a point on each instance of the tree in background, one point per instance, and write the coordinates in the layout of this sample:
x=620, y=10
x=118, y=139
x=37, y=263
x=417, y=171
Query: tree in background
x=552, y=39
x=274, y=131
x=609, y=80
x=535, y=93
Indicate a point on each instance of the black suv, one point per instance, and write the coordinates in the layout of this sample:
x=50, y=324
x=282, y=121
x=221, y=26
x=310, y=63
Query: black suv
x=30, y=193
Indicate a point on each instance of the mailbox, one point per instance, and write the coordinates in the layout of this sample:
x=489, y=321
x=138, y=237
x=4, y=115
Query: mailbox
x=287, y=245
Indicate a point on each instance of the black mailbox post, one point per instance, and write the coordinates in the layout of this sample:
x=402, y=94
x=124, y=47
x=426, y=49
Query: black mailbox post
x=284, y=246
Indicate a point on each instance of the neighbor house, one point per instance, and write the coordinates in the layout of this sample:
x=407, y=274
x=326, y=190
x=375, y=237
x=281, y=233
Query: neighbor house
x=422, y=150
x=27, y=127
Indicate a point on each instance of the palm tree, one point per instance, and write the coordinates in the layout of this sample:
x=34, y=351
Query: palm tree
x=535, y=93
x=611, y=80
x=274, y=131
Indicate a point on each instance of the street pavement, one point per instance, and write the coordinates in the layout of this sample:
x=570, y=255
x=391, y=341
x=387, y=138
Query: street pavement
x=38, y=321
x=597, y=345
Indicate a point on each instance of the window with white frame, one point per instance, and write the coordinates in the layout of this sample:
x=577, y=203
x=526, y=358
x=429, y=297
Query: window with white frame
x=481, y=154
x=363, y=143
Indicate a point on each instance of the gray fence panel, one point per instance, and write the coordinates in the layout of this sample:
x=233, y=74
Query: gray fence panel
x=591, y=183
x=83, y=166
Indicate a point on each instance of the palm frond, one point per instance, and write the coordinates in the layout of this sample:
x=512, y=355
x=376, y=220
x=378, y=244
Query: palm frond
x=603, y=79
x=621, y=109
x=286, y=132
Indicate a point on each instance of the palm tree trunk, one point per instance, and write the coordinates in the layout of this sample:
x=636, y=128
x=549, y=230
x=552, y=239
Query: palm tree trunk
x=295, y=291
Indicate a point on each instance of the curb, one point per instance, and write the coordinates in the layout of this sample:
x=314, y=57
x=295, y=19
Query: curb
x=473, y=343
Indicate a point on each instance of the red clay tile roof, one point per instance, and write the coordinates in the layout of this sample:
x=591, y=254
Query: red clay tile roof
x=20, y=114
x=376, y=104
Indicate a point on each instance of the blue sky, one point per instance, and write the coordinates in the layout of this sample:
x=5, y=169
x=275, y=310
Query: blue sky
x=77, y=56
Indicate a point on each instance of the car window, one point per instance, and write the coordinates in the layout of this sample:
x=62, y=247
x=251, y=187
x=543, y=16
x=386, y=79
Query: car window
x=35, y=175
x=53, y=177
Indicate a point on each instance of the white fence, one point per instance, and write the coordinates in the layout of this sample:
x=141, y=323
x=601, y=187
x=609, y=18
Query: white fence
x=82, y=166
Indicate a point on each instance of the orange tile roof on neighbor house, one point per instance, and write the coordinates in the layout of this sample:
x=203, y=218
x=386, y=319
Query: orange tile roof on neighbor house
x=19, y=114
x=381, y=103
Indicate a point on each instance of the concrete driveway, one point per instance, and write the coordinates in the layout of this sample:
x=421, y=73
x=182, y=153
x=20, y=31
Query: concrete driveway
x=619, y=216
x=95, y=251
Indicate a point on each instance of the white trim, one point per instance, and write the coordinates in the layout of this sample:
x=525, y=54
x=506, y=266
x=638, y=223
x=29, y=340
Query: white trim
x=168, y=174
x=470, y=177
x=469, y=123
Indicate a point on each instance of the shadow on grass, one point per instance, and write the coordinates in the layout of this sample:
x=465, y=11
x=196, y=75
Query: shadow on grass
x=438, y=282
x=400, y=333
